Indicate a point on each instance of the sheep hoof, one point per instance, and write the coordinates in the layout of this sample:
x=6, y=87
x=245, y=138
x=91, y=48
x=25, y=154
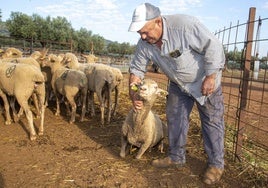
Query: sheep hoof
x=16, y=119
x=41, y=133
x=122, y=154
x=8, y=122
x=33, y=137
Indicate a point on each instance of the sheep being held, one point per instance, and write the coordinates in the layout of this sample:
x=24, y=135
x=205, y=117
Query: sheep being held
x=142, y=128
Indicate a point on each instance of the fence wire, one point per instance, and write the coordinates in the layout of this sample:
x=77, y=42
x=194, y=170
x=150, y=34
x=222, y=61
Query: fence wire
x=245, y=90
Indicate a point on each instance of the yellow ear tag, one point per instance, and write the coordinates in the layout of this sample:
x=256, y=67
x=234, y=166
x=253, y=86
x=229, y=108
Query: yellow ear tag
x=134, y=88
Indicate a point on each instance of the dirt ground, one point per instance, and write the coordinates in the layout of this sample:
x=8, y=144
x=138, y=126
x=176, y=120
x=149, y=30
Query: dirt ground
x=84, y=154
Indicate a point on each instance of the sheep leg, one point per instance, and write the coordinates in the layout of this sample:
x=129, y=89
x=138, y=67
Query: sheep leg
x=102, y=106
x=124, y=144
x=6, y=106
x=142, y=150
x=109, y=98
x=57, y=113
x=91, y=103
x=115, y=102
x=35, y=100
x=71, y=101
x=14, y=111
x=67, y=105
x=24, y=105
x=40, y=93
x=84, y=99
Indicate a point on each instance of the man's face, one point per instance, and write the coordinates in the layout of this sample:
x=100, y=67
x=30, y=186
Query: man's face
x=151, y=31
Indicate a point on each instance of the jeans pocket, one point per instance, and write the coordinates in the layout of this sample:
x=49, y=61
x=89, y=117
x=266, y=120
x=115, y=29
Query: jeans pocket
x=215, y=106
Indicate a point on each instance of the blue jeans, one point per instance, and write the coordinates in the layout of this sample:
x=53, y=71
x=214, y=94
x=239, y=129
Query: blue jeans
x=179, y=107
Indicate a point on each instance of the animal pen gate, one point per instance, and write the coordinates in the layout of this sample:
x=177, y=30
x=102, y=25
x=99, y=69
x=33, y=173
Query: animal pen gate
x=245, y=89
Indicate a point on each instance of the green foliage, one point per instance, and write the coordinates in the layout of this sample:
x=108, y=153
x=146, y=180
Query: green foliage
x=82, y=40
x=21, y=25
x=49, y=30
x=123, y=49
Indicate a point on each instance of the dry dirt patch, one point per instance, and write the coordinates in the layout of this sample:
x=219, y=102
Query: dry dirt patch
x=86, y=155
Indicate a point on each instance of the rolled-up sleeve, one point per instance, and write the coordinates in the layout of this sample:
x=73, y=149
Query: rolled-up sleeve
x=138, y=65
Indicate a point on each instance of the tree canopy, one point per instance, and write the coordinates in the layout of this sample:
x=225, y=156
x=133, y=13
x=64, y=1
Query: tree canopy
x=44, y=30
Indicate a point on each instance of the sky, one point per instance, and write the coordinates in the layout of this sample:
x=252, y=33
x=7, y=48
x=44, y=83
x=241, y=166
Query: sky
x=111, y=18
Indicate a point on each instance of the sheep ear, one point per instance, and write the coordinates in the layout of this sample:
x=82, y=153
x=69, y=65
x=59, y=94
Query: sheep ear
x=161, y=92
x=44, y=52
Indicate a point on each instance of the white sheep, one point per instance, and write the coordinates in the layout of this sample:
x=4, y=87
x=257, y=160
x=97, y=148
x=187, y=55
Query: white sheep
x=11, y=53
x=21, y=81
x=68, y=83
x=102, y=79
x=101, y=82
x=142, y=128
x=14, y=55
x=91, y=58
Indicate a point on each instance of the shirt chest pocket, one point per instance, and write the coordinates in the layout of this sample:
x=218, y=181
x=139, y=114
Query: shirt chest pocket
x=188, y=67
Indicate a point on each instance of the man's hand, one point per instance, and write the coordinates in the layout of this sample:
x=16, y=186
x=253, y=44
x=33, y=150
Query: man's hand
x=134, y=81
x=208, y=85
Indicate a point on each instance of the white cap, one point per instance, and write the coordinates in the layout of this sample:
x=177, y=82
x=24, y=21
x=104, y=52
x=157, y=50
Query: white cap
x=142, y=14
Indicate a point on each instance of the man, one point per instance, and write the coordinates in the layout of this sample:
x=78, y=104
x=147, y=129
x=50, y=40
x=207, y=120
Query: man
x=193, y=59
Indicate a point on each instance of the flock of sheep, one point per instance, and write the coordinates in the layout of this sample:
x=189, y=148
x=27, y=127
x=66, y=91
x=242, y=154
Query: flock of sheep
x=41, y=74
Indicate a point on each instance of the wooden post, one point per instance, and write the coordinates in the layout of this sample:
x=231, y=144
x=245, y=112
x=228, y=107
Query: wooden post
x=245, y=81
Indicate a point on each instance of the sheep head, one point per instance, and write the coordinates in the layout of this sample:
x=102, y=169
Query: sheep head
x=148, y=90
x=12, y=53
x=90, y=58
x=40, y=56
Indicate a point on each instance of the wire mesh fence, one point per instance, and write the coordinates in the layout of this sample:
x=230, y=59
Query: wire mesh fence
x=245, y=88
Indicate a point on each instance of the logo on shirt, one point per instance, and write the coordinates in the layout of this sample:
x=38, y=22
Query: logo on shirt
x=175, y=54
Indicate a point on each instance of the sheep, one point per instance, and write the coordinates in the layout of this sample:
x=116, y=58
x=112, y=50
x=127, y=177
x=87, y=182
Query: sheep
x=12, y=53
x=90, y=58
x=68, y=83
x=142, y=128
x=40, y=57
x=21, y=81
x=15, y=55
x=102, y=79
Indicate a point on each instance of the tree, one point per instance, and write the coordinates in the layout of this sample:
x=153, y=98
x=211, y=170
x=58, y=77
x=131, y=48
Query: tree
x=43, y=29
x=22, y=26
x=122, y=49
x=61, y=29
x=82, y=39
x=98, y=44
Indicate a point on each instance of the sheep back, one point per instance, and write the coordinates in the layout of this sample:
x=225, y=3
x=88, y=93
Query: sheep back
x=19, y=77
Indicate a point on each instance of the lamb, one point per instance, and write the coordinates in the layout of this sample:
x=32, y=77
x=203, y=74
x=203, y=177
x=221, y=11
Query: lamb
x=21, y=81
x=142, y=128
x=68, y=83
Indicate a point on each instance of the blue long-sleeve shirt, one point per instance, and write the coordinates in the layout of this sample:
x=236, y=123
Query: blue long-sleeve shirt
x=189, y=52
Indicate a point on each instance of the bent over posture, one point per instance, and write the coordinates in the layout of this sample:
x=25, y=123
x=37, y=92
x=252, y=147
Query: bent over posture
x=193, y=59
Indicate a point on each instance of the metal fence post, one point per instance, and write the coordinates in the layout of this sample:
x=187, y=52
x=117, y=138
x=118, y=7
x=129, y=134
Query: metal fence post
x=245, y=81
